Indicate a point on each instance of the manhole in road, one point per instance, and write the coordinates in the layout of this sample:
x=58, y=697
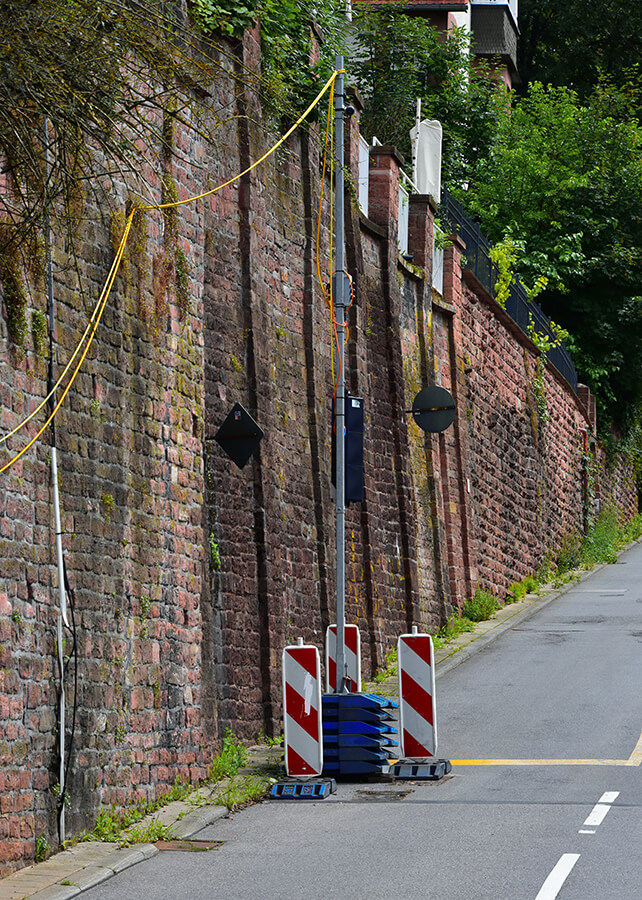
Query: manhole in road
x=193, y=846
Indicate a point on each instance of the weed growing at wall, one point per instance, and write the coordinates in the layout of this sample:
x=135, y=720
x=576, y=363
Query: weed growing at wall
x=108, y=504
x=147, y=834
x=215, y=558
x=42, y=848
x=390, y=669
x=230, y=758
x=599, y=545
x=518, y=589
x=483, y=606
x=243, y=792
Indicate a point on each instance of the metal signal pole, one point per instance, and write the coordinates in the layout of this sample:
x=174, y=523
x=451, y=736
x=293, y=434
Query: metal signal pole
x=340, y=279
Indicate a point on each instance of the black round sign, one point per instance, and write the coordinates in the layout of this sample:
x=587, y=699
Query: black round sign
x=433, y=409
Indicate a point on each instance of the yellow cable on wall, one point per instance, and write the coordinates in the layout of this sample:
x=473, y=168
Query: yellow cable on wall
x=94, y=320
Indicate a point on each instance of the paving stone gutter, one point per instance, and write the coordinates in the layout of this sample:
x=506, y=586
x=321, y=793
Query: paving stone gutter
x=86, y=864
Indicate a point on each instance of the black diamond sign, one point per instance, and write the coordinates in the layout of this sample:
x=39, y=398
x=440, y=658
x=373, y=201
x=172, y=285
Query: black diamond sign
x=239, y=435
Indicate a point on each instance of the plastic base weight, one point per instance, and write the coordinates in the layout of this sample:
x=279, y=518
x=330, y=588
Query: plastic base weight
x=303, y=790
x=420, y=770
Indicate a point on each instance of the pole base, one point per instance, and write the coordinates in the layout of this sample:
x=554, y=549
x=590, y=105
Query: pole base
x=420, y=770
x=303, y=790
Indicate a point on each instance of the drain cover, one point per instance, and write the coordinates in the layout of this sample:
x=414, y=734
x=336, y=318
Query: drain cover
x=194, y=846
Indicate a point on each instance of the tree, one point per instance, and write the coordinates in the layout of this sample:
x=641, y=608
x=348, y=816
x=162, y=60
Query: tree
x=576, y=42
x=397, y=58
x=565, y=178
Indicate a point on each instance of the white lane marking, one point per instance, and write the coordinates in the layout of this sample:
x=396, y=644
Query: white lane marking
x=586, y=831
x=597, y=814
x=553, y=884
x=599, y=811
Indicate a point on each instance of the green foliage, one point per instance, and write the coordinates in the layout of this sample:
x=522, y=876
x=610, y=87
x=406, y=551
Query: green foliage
x=632, y=531
x=289, y=82
x=397, y=58
x=569, y=555
x=483, y=606
x=504, y=255
x=604, y=538
x=390, y=668
x=231, y=757
x=518, y=589
x=215, y=557
x=181, y=271
x=108, y=504
x=147, y=834
x=42, y=848
x=563, y=180
x=229, y=18
x=454, y=626
x=602, y=541
x=112, y=823
x=576, y=42
x=269, y=741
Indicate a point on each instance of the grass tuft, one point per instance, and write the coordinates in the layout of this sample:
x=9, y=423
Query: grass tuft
x=244, y=791
x=231, y=757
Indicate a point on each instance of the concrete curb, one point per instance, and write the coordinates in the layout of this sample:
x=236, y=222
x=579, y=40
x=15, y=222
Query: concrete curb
x=85, y=865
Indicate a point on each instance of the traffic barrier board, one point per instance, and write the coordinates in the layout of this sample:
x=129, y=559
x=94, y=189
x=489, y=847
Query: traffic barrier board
x=352, y=658
x=303, y=742
x=417, y=707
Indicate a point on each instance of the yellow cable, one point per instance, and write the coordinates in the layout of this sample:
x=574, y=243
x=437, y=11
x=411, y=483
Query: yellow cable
x=106, y=292
x=302, y=117
x=100, y=305
x=67, y=367
x=328, y=299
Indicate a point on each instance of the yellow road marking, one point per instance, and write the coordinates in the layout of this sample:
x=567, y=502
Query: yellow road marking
x=635, y=759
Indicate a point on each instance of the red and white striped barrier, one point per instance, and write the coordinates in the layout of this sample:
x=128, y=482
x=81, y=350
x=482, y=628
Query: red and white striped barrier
x=417, y=707
x=352, y=658
x=303, y=736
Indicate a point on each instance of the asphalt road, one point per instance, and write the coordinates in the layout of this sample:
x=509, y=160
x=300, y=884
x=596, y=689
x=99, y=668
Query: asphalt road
x=545, y=797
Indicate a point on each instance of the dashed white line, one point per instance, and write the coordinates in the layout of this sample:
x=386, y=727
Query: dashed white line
x=601, y=808
x=553, y=884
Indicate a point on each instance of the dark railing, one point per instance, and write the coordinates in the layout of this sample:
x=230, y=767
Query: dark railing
x=518, y=306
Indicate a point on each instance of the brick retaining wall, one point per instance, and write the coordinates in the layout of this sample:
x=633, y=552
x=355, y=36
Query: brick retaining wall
x=190, y=575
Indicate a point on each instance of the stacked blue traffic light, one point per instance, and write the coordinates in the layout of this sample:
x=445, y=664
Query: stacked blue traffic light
x=359, y=734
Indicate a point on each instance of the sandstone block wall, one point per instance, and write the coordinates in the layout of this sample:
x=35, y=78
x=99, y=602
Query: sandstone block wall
x=189, y=575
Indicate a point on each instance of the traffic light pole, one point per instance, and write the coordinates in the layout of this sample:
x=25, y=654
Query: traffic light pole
x=340, y=280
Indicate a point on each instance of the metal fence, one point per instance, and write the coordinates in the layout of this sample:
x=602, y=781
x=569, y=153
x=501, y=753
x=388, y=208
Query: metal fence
x=518, y=306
